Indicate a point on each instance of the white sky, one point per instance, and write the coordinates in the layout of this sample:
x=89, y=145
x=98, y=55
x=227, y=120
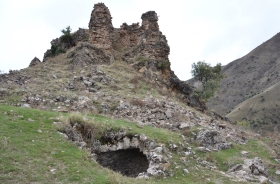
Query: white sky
x=196, y=30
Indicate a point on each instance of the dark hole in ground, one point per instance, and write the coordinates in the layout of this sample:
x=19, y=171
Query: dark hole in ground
x=129, y=162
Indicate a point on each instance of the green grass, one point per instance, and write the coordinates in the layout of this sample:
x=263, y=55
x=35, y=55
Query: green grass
x=28, y=155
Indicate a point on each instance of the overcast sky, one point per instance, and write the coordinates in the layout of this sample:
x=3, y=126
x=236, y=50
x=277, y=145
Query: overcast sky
x=196, y=30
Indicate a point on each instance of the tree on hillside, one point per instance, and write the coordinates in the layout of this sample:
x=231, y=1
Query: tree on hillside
x=209, y=77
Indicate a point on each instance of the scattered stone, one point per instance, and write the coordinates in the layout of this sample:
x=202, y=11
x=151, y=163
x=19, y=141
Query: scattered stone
x=244, y=154
x=277, y=172
x=93, y=90
x=139, y=126
x=40, y=131
x=186, y=171
x=168, y=114
x=25, y=106
x=56, y=123
x=212, y=139
x=251, y=170
x=263, y=179
x=173, y=147
x=203, y=149
x=184, y=126
x=53, y=171
x=30, y=120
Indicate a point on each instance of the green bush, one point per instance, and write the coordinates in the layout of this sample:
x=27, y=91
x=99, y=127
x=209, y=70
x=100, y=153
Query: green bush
x=163, y=65
x=67, y=37
x=56, y=50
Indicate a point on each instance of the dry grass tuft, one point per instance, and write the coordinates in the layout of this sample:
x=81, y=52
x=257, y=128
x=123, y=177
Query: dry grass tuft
x=137, y=102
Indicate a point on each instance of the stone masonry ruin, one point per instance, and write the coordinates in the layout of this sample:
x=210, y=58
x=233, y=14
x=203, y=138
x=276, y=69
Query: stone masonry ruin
x=141, y=45
x=130, y=155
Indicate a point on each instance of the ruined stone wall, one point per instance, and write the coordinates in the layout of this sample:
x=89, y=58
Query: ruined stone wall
x=100, y=27
x=130, y=35
x=147, y=40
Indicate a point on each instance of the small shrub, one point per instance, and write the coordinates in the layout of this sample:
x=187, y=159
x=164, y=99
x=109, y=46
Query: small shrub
x=210, y=158
x=162, y=65
x=142, y=59
x=135, y=79
x=56, y=50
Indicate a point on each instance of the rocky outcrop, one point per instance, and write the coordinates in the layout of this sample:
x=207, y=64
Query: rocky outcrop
x=88, y=54
x=252, y=170
x=34, y=62
x=58, y=46
x=189, y=92
x=212, y=139
x=100, y=27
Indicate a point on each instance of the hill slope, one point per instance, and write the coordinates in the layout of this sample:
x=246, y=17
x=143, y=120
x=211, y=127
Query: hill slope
x=120, y=73
x=246, y=77
x=261, y=110
x=32, y=150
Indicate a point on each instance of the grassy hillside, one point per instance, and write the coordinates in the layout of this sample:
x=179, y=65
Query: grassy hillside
x=248, y=76
x=32, y=151
x=260, y=111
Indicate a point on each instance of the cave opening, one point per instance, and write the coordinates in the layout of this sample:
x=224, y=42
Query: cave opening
x=128, y=162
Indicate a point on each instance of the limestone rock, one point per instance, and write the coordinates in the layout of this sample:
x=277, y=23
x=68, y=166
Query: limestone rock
x=203, y=149
x=186, y=171
x=251, y=170
x=212, y=139
x=168, y=114
x=84, y=103
x=87, y=53
x=244, y=153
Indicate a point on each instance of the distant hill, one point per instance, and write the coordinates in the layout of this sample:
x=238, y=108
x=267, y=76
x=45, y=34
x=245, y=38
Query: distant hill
x=250, y=90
